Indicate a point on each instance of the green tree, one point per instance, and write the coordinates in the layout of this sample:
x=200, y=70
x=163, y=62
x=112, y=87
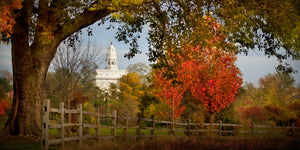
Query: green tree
x=147, y=99
x=227, y=115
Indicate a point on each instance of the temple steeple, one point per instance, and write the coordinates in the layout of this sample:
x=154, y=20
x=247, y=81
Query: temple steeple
x=111, y=73
x=111, y=58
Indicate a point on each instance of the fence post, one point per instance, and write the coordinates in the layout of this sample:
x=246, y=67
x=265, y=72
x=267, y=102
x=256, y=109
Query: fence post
x=45, y=123
x=293, y=130
x=170, y=129
x=253, y=128
x=80, y=124
x=138, y=130
x=126, y=126
x=189, y=126
x=114, y=124
x=98, y=123
x=220, y=128
x=153, y=126
x=62, y=129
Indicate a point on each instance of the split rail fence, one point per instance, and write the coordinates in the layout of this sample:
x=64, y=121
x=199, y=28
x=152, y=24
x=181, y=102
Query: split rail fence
x=188, y=128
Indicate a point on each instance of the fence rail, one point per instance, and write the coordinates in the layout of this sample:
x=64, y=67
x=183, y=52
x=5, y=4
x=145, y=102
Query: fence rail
x=218, y=127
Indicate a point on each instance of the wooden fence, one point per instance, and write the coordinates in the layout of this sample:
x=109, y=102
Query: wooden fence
x=188, y=128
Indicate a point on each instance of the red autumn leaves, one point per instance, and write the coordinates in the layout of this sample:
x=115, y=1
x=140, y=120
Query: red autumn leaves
x=213, y=82
x=168, y=92
x=208, y=73
x=4, y=105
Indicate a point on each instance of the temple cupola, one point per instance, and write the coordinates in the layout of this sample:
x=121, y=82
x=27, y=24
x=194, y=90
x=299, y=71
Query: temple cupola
x=111, y=58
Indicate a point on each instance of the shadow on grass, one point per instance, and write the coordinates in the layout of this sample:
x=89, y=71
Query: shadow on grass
x=14, y=146
x=171, y=143
x=198, y=143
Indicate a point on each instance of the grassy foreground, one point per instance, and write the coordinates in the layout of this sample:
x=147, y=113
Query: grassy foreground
x=187, y=143
x=172, y=143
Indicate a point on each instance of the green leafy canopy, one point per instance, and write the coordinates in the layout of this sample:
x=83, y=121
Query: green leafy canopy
x=269, y=26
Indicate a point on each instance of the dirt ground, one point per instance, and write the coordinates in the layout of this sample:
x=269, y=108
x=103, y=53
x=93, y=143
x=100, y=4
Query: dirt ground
x=20, y=139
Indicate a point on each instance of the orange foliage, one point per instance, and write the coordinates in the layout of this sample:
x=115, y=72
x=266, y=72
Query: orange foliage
x=214, y=81
x=208, y=72
x=6, y=15
x=168, y=92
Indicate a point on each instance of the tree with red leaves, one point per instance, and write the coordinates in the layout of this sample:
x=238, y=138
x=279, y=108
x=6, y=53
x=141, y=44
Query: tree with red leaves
x=214, y=81
x=168, y=92
x=207, y=72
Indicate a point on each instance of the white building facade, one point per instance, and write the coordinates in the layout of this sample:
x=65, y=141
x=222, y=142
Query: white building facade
x=111, y=73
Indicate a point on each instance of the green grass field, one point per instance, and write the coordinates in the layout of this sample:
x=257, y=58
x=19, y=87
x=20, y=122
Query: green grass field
x=205, y=140
x=119, y=132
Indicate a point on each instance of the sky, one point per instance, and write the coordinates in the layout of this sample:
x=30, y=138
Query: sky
x=253, y=66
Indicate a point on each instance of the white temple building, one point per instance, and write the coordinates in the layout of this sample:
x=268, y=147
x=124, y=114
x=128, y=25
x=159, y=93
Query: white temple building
x=111, y=73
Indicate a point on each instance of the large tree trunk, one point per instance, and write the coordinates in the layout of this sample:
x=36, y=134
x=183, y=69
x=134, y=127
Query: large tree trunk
x=25, y=118
x=31, y=59
x=30, y=66
x=29, y=72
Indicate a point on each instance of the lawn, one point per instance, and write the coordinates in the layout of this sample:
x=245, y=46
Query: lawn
x=184, y=143
x=164, y=141
x=119, y=132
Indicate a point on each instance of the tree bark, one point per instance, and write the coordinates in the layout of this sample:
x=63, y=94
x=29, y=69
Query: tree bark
x=212, y=116
x=30, y=66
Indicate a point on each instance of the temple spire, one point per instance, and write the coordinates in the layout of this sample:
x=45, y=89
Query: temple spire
x=111, y=58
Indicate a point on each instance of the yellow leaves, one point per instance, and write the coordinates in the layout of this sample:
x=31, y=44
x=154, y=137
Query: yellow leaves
x=102, y=4
x=115, y=5
x=231, y=2
x=130, y=86
x=88, y=107
x=116, y=15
